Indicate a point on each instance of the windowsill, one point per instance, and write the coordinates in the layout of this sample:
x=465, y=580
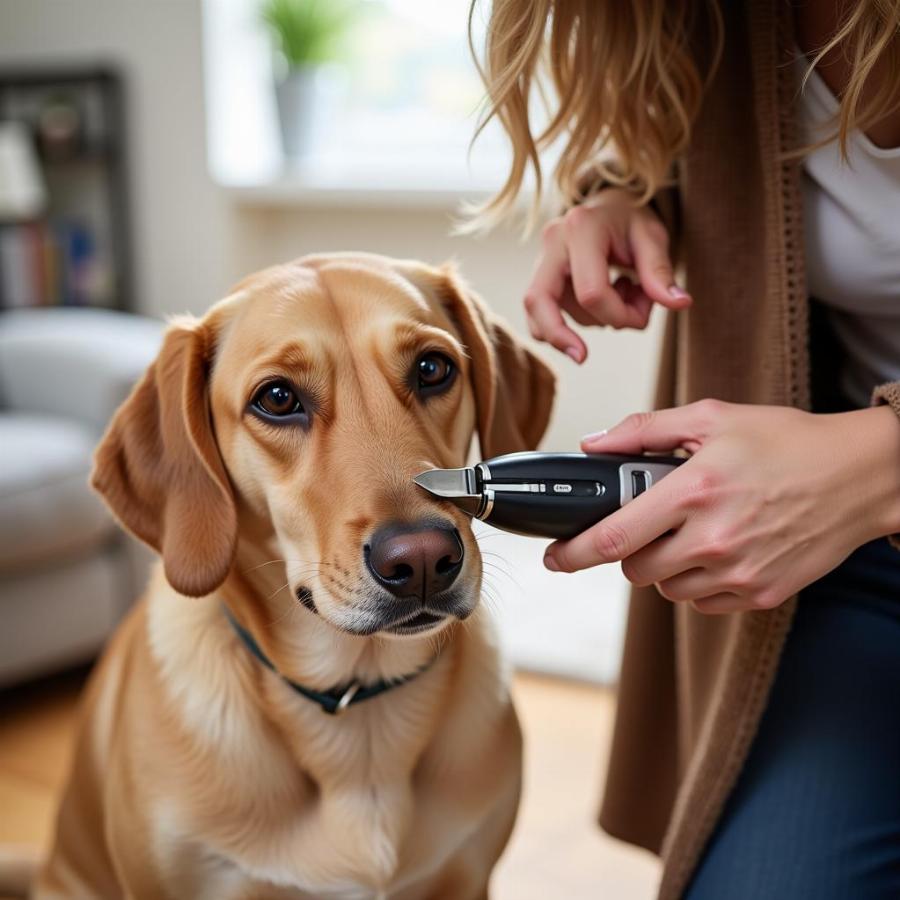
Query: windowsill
x=293, y=190
x=350, y=187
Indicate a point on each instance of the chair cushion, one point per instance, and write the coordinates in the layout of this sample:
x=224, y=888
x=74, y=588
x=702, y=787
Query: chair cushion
x=47, y=509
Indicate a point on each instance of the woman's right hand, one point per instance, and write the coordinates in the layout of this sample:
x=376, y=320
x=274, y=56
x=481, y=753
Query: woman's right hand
x=573, y=274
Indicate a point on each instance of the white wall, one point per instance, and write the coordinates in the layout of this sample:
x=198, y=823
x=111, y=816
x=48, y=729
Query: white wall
x=192, y=240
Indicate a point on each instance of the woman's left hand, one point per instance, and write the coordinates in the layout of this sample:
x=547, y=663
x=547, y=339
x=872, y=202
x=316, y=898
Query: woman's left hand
x=771, y=499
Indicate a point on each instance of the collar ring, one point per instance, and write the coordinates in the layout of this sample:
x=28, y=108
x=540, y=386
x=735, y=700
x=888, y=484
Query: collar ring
x=347, y=697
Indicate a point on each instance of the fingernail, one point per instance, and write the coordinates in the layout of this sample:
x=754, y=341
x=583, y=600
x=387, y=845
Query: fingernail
x=551, y=563
x=595, y=436
x=678, y=292
x=574, y=353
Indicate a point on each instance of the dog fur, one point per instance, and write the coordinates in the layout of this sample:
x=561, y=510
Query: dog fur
x=198, y=772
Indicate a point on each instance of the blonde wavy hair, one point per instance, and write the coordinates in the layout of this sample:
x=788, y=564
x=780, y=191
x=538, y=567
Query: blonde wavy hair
x=627, y=86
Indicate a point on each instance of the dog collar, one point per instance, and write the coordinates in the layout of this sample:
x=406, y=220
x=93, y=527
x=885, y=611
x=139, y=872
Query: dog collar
x=335, y=701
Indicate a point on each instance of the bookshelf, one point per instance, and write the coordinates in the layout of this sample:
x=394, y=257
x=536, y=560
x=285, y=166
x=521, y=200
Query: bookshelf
x=73, y=247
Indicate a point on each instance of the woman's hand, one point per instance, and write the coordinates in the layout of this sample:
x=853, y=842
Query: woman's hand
x=573, y=271
x=771, y=499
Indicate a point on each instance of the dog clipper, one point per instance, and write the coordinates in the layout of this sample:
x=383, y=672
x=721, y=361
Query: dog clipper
x=550, y=495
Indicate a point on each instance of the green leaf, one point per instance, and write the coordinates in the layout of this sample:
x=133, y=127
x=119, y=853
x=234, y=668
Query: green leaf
x=308, y=31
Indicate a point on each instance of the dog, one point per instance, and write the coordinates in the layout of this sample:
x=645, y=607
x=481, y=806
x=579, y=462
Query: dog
x=308, y=701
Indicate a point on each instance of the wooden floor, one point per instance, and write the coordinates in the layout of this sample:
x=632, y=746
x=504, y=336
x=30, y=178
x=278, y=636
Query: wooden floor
x=556, y=850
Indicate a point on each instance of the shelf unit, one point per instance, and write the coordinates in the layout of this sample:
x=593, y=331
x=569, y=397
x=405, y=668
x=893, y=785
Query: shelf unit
x=77, y=250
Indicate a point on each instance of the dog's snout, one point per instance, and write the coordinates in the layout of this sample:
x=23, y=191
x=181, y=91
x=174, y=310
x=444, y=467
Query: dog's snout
x=415, y=561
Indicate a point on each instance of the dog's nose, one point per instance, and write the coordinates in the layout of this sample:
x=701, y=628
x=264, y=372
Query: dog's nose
x=415, y=561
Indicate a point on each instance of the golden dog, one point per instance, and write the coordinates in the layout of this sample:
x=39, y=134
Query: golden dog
x=268, y=456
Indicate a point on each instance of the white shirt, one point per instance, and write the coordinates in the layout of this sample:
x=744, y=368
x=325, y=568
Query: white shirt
x=852, y=234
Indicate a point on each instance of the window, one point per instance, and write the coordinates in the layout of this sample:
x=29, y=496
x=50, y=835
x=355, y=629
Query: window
x=399, y=112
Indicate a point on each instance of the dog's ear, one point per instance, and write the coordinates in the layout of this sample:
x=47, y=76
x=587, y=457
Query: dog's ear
x=513, y=387
x=158, y=466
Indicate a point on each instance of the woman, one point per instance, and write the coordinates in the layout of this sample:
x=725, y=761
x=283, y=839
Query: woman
x=758, y=735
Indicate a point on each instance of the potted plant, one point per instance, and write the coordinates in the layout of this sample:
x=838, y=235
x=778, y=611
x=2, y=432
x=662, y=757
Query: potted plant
x=307, y=35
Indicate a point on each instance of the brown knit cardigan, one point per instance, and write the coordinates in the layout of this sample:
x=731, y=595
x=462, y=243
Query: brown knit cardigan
x=693, y=687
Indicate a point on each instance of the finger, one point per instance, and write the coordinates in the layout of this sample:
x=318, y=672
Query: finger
x=542, y=306
x=572, y=308
x=635, y=299
x=589, y=241
x=632, y=295
x=696, y=583
x=731, y=601
x=661, y=559
x=665, y=429
x=650, y=245
x=619, y=535
x=637, y=304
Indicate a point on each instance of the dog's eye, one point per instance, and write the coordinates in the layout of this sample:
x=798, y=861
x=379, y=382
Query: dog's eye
x=277, y=400
x=434, y=371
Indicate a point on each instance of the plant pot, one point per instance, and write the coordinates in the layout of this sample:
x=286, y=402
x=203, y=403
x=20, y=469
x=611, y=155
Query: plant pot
x=299, y=96
x=310, y=99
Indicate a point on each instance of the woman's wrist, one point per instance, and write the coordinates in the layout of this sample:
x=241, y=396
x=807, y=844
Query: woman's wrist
x=874, y=440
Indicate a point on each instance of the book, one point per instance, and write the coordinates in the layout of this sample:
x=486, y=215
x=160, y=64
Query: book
x=50, y=264
x=18, y=287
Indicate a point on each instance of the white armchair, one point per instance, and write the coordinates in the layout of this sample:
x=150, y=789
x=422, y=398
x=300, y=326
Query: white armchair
x=67, y=573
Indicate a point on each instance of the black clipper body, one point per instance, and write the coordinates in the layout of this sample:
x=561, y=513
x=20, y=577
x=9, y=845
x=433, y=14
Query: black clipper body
x=552, y=495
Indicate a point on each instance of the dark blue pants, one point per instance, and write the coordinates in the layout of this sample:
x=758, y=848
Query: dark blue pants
x=815, y=814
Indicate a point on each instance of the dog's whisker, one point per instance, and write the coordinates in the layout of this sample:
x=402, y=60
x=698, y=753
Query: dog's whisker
x=308, y=569
x=491, y=568
x=483, y=536
x=287, y=584
x=490, y=555
x=268, y=562
x=289, y=612
x=491, y=591
x=494, y=555
x=489, y=599
x=272, y=562
x=499, y=564
x=292, y=612
x=503, y=589
x=285, y=615
x=287, y=561
x=466, y=624
x=488, y=579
